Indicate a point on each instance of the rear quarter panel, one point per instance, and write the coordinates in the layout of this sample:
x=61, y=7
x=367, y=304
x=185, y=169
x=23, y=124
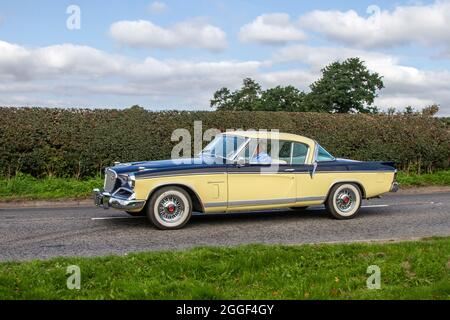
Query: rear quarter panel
x=319, y=184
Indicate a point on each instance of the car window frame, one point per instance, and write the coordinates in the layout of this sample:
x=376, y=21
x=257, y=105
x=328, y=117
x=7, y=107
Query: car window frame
x=308, y=148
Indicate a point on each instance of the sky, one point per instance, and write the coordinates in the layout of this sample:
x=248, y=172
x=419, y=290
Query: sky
x=176, y=54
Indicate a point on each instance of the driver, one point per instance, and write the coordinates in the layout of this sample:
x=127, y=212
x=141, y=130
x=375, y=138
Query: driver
x=261, y=155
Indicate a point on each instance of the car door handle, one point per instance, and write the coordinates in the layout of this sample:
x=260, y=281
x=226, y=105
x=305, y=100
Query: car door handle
x=289, y=170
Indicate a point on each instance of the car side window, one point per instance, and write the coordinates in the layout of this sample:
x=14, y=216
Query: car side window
x=323, y=155
x=299, y=153
x=284, y=154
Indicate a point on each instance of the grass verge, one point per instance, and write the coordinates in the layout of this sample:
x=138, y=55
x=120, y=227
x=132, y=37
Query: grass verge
x=409, y=270
x=438, y=178
x=25, y=187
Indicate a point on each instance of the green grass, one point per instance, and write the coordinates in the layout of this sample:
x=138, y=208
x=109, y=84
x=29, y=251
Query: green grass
x=409, y=270
x=438, y=178
x=25, y=187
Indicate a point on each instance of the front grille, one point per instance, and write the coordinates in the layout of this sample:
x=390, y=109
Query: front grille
x=110, y=180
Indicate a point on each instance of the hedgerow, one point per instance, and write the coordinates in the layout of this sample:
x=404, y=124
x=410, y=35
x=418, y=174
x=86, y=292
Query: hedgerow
x=81, y=142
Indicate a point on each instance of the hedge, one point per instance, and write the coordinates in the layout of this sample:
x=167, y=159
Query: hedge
x=80, y=142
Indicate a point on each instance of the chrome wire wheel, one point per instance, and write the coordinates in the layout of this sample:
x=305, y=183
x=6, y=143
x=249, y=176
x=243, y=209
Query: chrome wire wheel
x=344, y=201
x=170, y=208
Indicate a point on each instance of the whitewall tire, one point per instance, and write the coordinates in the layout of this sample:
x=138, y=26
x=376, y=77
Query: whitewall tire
x=169, y=208
x=344, y=201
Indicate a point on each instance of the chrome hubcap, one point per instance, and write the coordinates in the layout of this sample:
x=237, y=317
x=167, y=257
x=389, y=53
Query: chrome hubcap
x=171, y=208
x=345, y=200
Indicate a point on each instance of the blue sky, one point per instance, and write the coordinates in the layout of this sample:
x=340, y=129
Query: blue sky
x=175, y=54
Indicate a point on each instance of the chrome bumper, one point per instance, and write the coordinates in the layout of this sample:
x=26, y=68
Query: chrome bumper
x=106, y=200
x=394, y=187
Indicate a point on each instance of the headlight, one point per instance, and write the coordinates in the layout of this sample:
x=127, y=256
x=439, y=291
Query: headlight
x=128, y=180
x=132, y=180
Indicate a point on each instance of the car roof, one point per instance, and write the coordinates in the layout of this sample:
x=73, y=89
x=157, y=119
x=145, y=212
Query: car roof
x=271, y=135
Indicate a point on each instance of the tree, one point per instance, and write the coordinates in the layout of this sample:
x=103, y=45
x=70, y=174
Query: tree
x=250, y=97
x=247, y=98
x=430, y=111
x=283, y=99
x=345, y=87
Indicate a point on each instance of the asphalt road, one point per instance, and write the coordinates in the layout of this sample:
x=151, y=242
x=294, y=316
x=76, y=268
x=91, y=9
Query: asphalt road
x=87, y=231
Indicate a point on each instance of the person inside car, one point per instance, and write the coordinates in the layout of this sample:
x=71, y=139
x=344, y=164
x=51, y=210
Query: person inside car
x=261, y=155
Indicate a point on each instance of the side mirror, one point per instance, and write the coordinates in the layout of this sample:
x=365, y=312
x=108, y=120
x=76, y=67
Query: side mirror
x=313, y=171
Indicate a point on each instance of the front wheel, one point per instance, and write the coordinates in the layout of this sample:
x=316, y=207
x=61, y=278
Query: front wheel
x=169, y=208
x=344, y=201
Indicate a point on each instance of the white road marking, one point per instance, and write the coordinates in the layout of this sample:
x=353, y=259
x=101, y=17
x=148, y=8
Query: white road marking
x=111, y=218
x=376, y=206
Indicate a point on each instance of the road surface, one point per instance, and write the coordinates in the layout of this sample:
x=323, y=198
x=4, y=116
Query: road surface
x=88, y=231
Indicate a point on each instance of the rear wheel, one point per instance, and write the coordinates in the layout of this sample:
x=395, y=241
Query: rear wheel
x=169, y=208
x=344, y=201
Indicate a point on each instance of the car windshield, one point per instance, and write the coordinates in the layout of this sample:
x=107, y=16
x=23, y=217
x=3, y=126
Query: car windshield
x=224, y=146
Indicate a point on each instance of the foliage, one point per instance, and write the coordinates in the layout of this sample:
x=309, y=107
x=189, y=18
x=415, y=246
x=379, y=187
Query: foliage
x=429, y=111
x=409, y=270
x=446, y=121
x=288, y=99
x=438, y=178
x=345, y=87
x=81, y=142
x=252, y=98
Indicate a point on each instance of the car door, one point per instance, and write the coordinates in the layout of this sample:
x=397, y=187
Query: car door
x=257, y=185
x=302, y=170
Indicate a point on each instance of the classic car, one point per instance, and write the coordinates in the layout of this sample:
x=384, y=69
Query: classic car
x=236, y=173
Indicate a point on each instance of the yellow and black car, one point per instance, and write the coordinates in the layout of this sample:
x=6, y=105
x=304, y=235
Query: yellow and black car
x=244, y=171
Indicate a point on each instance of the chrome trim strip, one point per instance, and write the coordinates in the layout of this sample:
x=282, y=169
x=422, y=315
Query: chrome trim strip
x=308, y=172
x=305, y=199
x=215, y=204
x=281, y=172
x=180, y=175
x=262, y=202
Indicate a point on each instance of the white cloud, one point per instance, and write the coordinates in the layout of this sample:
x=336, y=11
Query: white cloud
x=192, y=33
x=72, y=75
x=274, y=28
x=157, y=7
x=414, y=24
x=404, y=85
x=76, y=72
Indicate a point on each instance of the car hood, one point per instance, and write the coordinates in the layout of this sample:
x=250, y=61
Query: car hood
x=167, y=165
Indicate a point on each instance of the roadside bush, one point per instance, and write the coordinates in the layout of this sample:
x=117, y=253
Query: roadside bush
x=81, y=142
